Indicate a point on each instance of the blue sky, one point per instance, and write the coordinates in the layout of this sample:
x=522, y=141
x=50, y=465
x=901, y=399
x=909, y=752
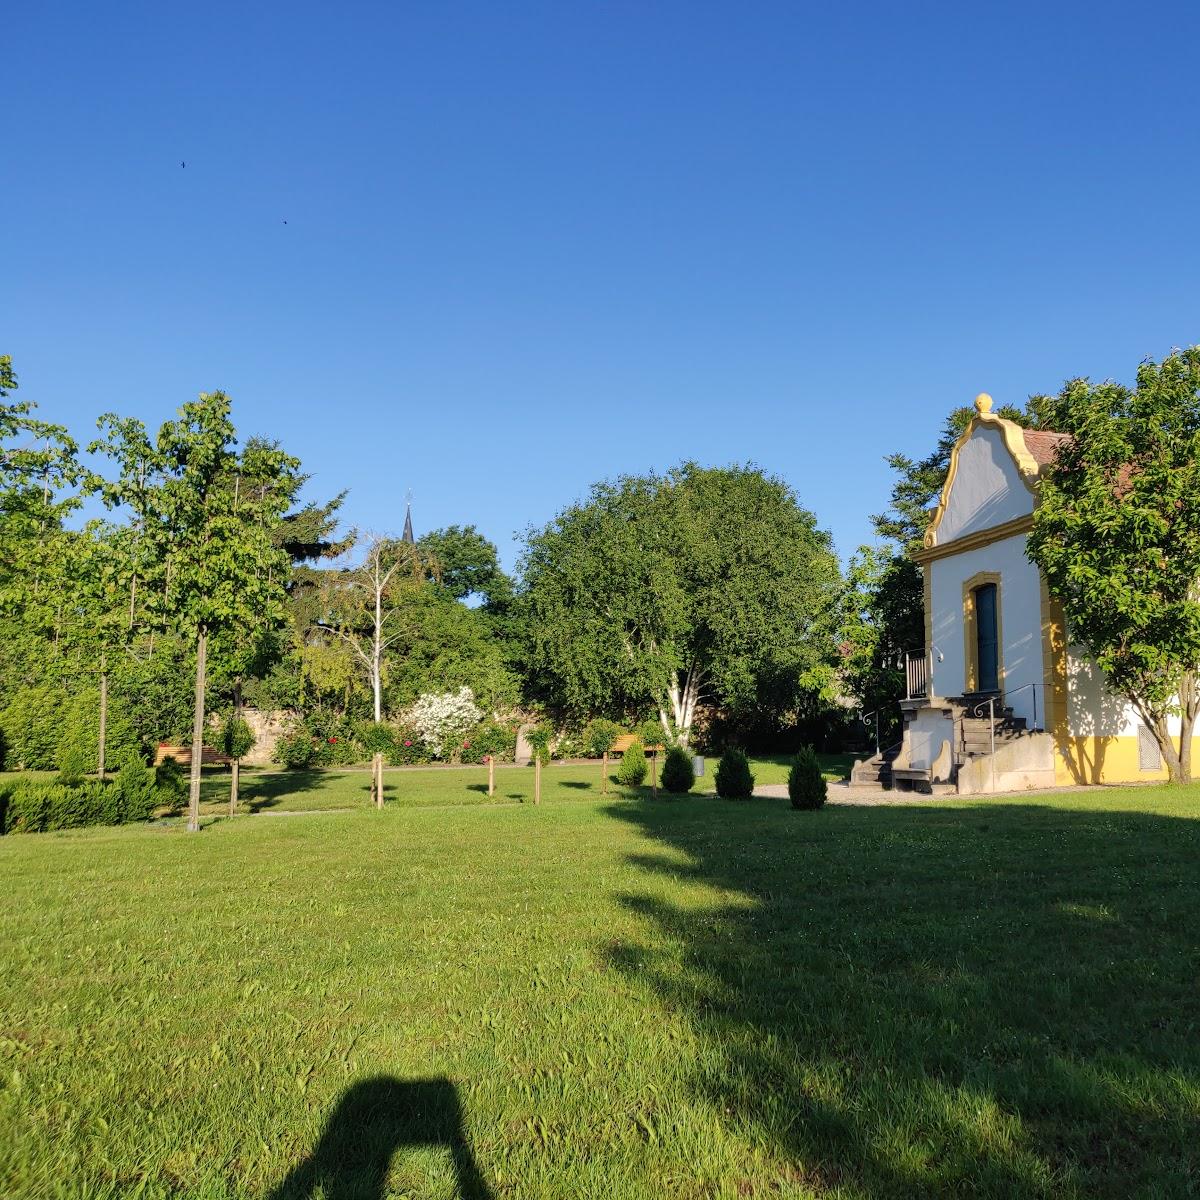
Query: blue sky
x=532, y=245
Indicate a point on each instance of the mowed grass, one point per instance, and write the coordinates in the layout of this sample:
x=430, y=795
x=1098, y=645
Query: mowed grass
x=609, y=998
x=332, y=788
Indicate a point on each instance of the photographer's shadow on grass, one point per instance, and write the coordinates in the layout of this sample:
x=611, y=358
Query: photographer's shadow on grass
x=372, y=1121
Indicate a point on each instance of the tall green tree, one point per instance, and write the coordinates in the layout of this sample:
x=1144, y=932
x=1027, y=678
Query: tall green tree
x=209, y=515
x=1117, y=535
x=466, y=565
x=665, y=591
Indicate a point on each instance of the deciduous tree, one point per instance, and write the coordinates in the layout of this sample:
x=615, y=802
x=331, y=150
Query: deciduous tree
x=1117, y=534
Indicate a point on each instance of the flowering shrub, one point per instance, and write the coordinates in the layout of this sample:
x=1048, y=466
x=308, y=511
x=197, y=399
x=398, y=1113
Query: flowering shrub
x=444, y=719
x=408, y=748
x=492, y=738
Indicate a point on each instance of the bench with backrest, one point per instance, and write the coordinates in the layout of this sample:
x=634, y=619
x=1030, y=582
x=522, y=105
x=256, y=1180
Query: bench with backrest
x=183, y=756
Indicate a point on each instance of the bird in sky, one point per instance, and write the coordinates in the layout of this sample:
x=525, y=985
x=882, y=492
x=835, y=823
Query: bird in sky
x=183, y=164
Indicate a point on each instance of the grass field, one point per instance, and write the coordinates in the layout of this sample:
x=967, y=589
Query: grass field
x=609, y=998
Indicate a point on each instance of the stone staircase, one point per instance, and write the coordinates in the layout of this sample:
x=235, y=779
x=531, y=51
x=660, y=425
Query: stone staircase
x=876, y=770
x=976, y=732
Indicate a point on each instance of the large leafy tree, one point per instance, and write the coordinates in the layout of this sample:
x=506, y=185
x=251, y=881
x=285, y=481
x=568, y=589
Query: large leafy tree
x=207, y=517
x=663, y=591
x=465, y=564
x=1117, y=535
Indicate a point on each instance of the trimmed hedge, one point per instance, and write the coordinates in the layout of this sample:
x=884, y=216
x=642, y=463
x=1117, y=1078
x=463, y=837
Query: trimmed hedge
x=42, y=807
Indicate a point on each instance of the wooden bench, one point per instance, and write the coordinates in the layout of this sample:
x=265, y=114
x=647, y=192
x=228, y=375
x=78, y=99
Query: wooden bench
x=625, y=741
x=183, y=756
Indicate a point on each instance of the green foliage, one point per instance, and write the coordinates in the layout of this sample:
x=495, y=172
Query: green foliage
x=295, y=749
x=678, y=774
x=650, y=733
x=733, y=778
x=171, y=781
x=408, y=748
x=32, y=724
x=490, y=738
x=377, y=738
x=643, y=595
x=541, y=738
x=74, y=761
x=42, y=807
x=1116, y=533
x=237, y=738
x=137, y=785
x=464, y=563
x=806, y=783
x=632, y=769
x=599, y=735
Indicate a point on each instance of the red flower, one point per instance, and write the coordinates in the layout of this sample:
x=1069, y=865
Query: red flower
x=407, y=743
x=332, y=740
x=466, y=745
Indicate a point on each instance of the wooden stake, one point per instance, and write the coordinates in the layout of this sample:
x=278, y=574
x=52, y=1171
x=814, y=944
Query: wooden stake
x=604, y=777
x=537, y=778
x=654, y=773
x=491, y=774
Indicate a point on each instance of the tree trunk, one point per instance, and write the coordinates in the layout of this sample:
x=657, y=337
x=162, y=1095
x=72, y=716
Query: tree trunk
x=197, y=731
x=654, y=774
x=237, y=762
x=537, y=776
x=103, y=718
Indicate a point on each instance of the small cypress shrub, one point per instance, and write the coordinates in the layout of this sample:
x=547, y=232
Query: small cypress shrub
x=734, y=781
x=633, y=768
x=806, y=785
x=74, y=762
x=678, y=774
x=172, y=783
x=137, y=789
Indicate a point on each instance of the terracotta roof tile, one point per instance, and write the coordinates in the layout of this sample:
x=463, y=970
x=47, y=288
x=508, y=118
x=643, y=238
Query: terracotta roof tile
x=1043, y=444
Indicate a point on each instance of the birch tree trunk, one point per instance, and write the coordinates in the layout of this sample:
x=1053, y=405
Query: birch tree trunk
x=197, y=732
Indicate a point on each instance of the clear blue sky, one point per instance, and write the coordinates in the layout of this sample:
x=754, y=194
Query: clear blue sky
x=532, y=245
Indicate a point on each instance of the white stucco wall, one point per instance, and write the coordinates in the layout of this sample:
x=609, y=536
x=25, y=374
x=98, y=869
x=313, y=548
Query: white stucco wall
x=1020, y=623
x=987, y=488
x=1092, y=710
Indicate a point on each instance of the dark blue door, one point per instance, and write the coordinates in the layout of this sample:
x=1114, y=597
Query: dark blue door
x=987, y=641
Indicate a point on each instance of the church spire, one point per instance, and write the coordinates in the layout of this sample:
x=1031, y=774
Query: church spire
x=407, y=535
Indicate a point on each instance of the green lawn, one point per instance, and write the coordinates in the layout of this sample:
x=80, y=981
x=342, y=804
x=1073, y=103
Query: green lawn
x=305, y=791
x=608, y=998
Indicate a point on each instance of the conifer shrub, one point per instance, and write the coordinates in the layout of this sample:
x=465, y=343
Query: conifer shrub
x=734, y=780
x=74, y=762
x=172, y=783
x=678, y=775
x=633, y=767
x=806, y=785
x=137, y=785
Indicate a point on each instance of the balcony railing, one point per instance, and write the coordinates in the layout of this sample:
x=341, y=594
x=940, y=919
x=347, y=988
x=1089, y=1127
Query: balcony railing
x=916, y=675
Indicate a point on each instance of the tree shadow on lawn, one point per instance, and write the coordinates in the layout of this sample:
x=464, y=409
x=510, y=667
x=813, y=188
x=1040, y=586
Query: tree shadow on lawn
x=373, y=1119
x=998, y=1001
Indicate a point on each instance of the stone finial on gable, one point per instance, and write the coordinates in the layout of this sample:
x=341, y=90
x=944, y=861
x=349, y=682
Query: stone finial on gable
x=983, y=404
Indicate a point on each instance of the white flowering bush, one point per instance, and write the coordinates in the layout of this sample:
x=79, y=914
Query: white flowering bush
x=443, y=719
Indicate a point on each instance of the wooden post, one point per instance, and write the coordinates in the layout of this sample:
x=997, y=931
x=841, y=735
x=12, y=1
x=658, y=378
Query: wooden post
x=491, y=774
x=233, y=786
x=604, y=777
x=537, y=776
x=103, y=718
x=654, y=773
